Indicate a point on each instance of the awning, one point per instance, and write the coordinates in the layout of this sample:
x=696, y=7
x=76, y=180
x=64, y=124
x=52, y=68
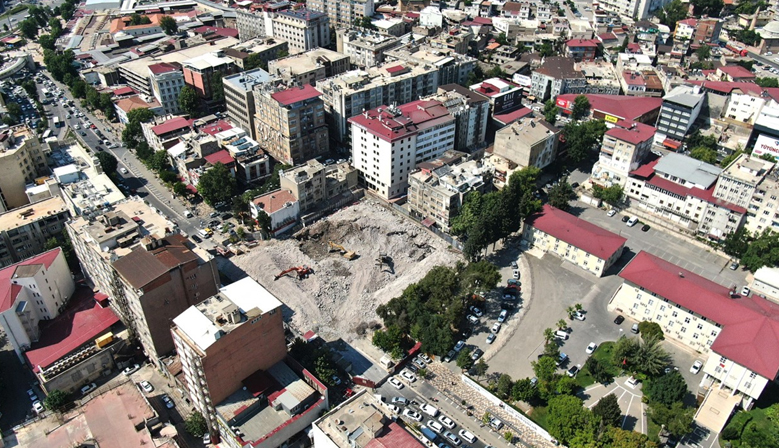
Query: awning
x=427, y=222
x=673, y=144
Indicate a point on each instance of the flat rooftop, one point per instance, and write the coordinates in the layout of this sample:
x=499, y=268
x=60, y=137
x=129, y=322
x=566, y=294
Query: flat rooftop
x=141, y=65
x=305, y=62
x=245, y=81
x=26, y=214
x=748, y=169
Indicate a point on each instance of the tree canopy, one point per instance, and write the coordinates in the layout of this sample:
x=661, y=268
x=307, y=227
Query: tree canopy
x=169, y=25
x=560, y=194
x=550, y=111
x=762, y=251
x=581, y=107
x=672, y=13
x=666, y=389
x=704, y=154
x=707, y=7
x=583, y=138
x=189, y=101
x=217, y=184
x=608, y=410
x=108, y=162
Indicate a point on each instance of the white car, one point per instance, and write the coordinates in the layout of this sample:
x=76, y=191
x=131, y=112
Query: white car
x=591, y=348
x=412, y=415
x=496, y=327
x=446, y=421
x=696, y=367
x=123, y=170
x=146, y=386
x=452, y=438
x=37, y=407
x=393, y=408
x=611, y=213
x=396, y=382
x=435, y=426
x=578, y=315
x=472, y=319
x=129, y=370
x=408, y=375
x=491, y=338
x=503, y=315
x=745, y=291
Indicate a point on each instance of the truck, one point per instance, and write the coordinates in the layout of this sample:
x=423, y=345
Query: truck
x=57, y=122
x=736, y=49
x=428, y=433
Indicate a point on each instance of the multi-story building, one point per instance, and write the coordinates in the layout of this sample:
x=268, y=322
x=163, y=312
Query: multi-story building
x=699, y=31
x=34, y=290
x=681, y=107
x=282, y=208
x=266, y=49
x=166, y=81
x=232, y=351
x=766, y=283
x=348, y=94
x=319, y=187
x=291, y=123
x=21, y=162
x=471, y=111
x=529, y=141
x=581, y=49
x=453, y=68
x=738, y=182
x=343, y=12
x=365, y=49
x=680, y=190
x=25, y=230
x=239, y=97
x=125, y=105
x=309, y=67
x=199, y=72
x=164, y=132
x=389, y=142
x=457, y=40
x=303, y=29
x=504, y=96
x=743, y=106
x=641, y=83
x=437, y=194
x=251, y=162
x=763, y=209
x=735, y=336
x=636, y=9
x=123, y=26
x=613, y=108
x=575, y=240
x=556, y=76
x=624, y=148
x=150, y=273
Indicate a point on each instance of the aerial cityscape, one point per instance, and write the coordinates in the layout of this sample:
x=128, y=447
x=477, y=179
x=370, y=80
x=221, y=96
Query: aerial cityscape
x=389, y=223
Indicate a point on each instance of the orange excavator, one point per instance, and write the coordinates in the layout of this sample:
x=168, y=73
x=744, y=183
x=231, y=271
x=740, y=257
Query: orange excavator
x=302, y=271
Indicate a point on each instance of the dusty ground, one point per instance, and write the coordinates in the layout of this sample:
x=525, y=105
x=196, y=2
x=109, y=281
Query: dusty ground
x=342, y=295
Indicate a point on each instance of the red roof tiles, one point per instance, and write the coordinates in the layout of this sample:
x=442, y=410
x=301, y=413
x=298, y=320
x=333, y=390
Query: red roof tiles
x=632, y=132
x=163, y=67
x=576, y=232
x=171, y=125
x=737, y=72
x=222, y=157
x=579, y=43
x=274, y=201
x=406, y=120
x=511, y=117
x=394, y=436
x=296, y=94
x=621, y=106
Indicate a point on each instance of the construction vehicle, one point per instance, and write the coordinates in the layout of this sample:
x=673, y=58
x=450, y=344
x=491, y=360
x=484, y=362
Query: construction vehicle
x=302, y=271
x=348, y=254
x=384, y=259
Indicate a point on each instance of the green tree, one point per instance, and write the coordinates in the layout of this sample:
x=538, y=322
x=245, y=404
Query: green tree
x=581, y=107
x=168, y=177
x=217, y=87
x=217, y=184
x=582, y=138
x=523, y=390
x=14, y=110
x=56, y=400
x=464, y=360
x=708, y=7
x=544, y=368
x=140, y=115
x=608, y=410
x=703, y=53
x=481, y=368
x=614, y=437
x=169, y=25
x=93, y=98
x=767, y=82
x=29, y=28
x=264, y=222
x=611, y=195
x=750, y=6
x=67, y=10
x=56, y=27
x=159, y=161
x=704, y=154
x=565, y=385
x=47, y=41
x=504, y=386
x=672, y=13
x=253, y=61
x=730, y=158
x=546, y=50
x=196, y=424
x=550, y=111
x=677, y=418
x=189, y=101
x=508, y=436
x=560, y=195
x=762, y=251
x=566, y=417
x=180, y=189
x=108, y=162
x=324, y=369
x=390, y=340
x=666, y=389
x=599, y=372
x=650, y=329
x=143, y=151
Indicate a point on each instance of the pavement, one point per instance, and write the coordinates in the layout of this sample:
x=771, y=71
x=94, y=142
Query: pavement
x=629, y=399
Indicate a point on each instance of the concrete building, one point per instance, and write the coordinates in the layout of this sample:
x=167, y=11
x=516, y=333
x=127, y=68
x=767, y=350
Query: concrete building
x=125, y=105
x=766, y=283
x=361, y=421
x=123, y=26
x=737, y=335
x=581, y=49
x=164, y=132
x=166, y=82
x=232, y=351
x=34, y=290
x=291, y=123
x=529, y=141
x=264, y=49
x=389, y=142
x=200, y=72
x=471, y=111
x=586, y=245
x=348, y=94
x=25, y=230
x=310, y=66
x=251, y=162
x=150, y=273
x=680, y=190
x=239, y=97
x=625, y=146
x=681, y=107
x=738, y=182
x=281, y=206
x=453, y=68
x=613, y=108
x=504, y=96
x=635, y=9
x=744, y=106
x=318, y=187
x=365, y=49
x=643, y=83
x=556, y=76
x=252, y=24
x=303, y=29
x=763, y=208
x=21, y=161
x=343, y=12
x=435, y=195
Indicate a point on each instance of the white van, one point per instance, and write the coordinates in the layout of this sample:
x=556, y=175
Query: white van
x=187, y=214
x=632, y=221
x=467, y=436
x=429, y=410
x=560, y=334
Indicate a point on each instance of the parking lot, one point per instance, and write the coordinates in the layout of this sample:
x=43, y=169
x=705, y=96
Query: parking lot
x=629, y=398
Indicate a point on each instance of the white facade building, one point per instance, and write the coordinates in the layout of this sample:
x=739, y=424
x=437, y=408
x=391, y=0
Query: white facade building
x=624, y=147
x=743, y=107
x=167, y=80
x=302, y=29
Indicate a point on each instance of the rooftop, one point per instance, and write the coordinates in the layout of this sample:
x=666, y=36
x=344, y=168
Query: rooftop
x=140, y=66
x=620, y=106
x=171, y=125
x=748, y=169
x=529, y=129
x=688, y=169
x=632, y=132
x=84, y=319
x=684, y=95
x=393, y=123
x=295, y=95
x=729, y=86
x=156, y=258
x=578, y=43
x=29, y=213
x=303, y=14
x=558, y=67
x=164, y=67
x=736, y=72
x=511, y=117
x=750, y=334
x=305, y=62
x=222, y=157
x=7, y=291
x=274, y=201
x=231, y=307
x=135, y=102
x=206, y=61
x=494, y=87
x=577, y=232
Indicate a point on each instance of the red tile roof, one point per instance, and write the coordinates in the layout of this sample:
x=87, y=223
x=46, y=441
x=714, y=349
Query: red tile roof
x=124, y=91
x=216, y=127
x=576, y=232
x=83, y=320
x=222, y=157
x=705, y=195
x=163, y=67
x=226, y=32
x=750, y=334
x=511, y=117
x=729, y=86
x=171, y=125
x=737, y=72
x=577, y=43
x=620, y=106
x=296, y=94
x=646, y=170
x=482, y=20
x=690, y=22
x=607, y=37
x=8, y=291
x=394, y=436
x=395, y=68
x=274, y=201
x=409, y=119
x=632, y=132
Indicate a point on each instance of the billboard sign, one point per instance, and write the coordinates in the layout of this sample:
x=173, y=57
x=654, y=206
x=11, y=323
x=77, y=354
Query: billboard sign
x=565, y=104
x=766, y=145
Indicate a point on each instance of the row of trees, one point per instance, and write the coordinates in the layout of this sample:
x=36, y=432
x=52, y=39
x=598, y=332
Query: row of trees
x=754, y=251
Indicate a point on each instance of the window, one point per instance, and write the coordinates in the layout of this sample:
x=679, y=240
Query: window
x=700, y=326
x=687, y=320
x=722, y=360
x=674, y=314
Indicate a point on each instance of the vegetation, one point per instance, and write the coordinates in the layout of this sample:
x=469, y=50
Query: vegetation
x=650, y=329
x=707, y=7
x=645, y=356
x=763, y=250
x=523, y=390
x=169, y=25
x=132, y=135
x=750, y=6
x=108, y=162
x=137, y=19
x=314, y=358
x=611, y=195
x=56, y=400
x=196, y=424
x=560, y=194
x=748, y=37
x=704, y=154
x=189, y=101
x=758, y=428
x=583, y=138
x=581, y=107
x=550, y=112
x=217, y=87
x=217, y=184
x=666, y=389
x=608, y=410
x=676, y=418
x=431, y=310
x=672, y=13
x=253, y=61
x=729, y=159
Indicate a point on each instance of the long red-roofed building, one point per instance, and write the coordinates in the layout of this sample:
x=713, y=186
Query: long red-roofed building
x=738, y=335
x=613, y=108
x=574, y=240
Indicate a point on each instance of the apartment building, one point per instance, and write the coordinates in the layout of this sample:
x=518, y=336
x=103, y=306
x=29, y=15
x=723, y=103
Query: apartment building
x=581, y=49
x=738, y=182
x=164, y=132
x=436, y=194
x=21, y=162
x=528, y=141
x=744, y=106
x=681, y=191
x=556, y=76
x=365, y=49
x=239, y=97
x=123, y=26
x=291, y=123
x=319, y=187
x=586, y=245
x=453, y=68
x=736, y=334
x=471, y=111
x=625, y=146
x=266, y=49
x=680, y=109
x=125, y=105
x=636, y=9
x=251, y=162
x=25, y=230
x=152, y=274
x=348, y=94
x=457, y=40
x=504, y=96
x=199, y=72
x=343, y=12
x=389, y=142
x=310, y=66
x=166, y=82
x=303, y=29
x=234, y=358
x=34, y=290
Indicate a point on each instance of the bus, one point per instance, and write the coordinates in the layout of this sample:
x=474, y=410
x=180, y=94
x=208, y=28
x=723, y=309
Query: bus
x=57, y=122
x=46, y=134
x=46, y=93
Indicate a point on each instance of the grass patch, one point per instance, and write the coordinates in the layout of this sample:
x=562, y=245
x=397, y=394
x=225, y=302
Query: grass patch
x=653, y=430
x=539, y=415
x=605, y=356
x=756, y=418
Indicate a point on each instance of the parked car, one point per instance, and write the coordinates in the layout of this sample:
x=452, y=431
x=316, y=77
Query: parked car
x=619, y=319
x=459, y=346
x=696, y=367
x=745, y=291
x=491, y=338
x=452, y=438
x=413, y=415
x=400, y=400
x=578, y=315
x=435, y=426
x=129, y=370
x=476, y=354
x=32, y=395
x=408, y=375
x=147, y=387
x=733, y=266
x=446, y=421
x=88, y=388
x=396, y=383
x=503, y=315
x=476, y=312
x=645, y=228
x=625, y=218
x=449, y=356
x=472, y=319
x=611, y=213
x=37, y=406
x=574, y=370
x=168, y=402
x=496, y=328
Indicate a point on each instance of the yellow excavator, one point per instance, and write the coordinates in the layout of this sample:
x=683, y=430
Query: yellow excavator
x=348, y=254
